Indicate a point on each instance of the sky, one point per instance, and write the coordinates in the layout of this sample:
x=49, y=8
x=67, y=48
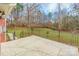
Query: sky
x=52, y=7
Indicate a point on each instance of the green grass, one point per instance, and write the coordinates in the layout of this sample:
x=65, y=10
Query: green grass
x=18, y=30
x=65, y=37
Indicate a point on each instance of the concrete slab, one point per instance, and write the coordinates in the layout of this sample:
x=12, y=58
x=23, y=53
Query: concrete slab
x=37, y=46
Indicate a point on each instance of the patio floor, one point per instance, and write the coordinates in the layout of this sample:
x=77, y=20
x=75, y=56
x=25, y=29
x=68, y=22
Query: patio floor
x=36, y=46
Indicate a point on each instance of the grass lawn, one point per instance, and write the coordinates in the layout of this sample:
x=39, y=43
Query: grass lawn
x=65, y=37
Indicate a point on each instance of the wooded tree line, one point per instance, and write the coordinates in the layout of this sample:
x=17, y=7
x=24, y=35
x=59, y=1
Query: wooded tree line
x=24, y=14
x=69, y=21
x=28, y=14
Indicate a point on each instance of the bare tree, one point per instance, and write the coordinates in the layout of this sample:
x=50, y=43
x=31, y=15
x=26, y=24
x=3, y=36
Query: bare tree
x=59, y=20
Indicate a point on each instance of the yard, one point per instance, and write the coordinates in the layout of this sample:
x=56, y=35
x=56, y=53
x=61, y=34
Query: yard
x=65, y=37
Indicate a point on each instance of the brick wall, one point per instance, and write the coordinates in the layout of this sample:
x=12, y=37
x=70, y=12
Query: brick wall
x=2, y=30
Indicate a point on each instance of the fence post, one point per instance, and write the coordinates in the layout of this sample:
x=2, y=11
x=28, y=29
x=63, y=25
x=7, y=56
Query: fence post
x=13, y=35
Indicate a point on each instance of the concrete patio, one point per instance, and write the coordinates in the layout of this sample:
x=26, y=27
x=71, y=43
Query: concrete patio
x=36, y=46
